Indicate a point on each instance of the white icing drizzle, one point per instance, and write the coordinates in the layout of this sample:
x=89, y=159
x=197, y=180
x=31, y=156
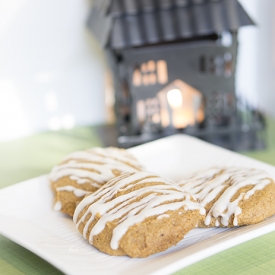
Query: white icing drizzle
x=101, y=161
x=82, y=181
x=120, y=155
x=163, y=216
x=207, y=184
x=77, y=192
x=57, y=206
x=125, y=209
x=108, y=155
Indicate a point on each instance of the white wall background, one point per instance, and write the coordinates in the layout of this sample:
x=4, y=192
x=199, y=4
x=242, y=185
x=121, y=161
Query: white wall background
x=266, y=55
x=256, y=64
x=52, y=70
x=247, y=63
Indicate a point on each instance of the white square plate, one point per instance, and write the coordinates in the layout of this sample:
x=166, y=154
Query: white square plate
x=27, y=216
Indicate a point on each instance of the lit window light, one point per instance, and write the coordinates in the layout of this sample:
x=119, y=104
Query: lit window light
x=174, y=98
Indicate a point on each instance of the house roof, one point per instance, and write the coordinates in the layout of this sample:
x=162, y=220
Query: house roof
x=131, y=23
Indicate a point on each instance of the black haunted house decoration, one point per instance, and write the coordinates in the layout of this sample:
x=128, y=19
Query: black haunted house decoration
x=173, y=64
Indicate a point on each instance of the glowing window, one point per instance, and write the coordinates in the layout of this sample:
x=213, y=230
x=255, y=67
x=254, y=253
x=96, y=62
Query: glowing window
x=162, y=72
x=174, y=98
x=150, y=73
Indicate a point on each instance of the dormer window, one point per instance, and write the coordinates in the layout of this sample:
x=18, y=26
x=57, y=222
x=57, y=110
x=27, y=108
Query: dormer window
x=150, y=73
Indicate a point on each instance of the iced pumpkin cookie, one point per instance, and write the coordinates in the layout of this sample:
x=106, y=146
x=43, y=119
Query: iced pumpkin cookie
x=136, y=215
x=84, y=172
x=232, y=196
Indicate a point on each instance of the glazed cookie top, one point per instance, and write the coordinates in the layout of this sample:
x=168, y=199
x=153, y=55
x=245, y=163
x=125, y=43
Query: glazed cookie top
x=128, y=200
x=206, y=186
x=95, y=166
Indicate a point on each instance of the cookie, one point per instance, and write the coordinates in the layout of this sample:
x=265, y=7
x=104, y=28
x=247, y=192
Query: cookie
x=232, y=196
x=84, y=172
x=136, y=214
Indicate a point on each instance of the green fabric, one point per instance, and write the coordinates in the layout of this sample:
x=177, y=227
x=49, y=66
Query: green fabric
x=267, y=155
x=33, y=156
x=16, y=260
x=253, y=257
